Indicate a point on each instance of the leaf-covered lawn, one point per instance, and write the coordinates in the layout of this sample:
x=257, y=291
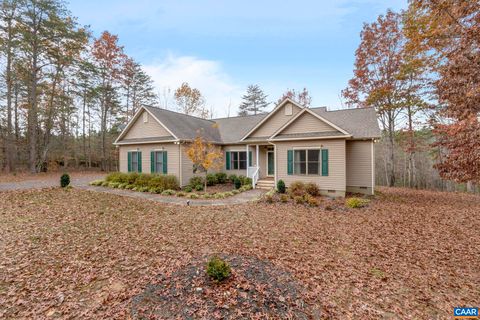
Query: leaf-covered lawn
x=413, y=254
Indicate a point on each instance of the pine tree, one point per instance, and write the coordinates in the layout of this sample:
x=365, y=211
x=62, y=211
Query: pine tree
x=254, y=101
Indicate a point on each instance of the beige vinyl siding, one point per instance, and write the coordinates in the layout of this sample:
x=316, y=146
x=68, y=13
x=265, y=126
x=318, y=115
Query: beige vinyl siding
x=151, y=128
x=336, y=179
x=263, y=161
x=307, y=123
x=359, y=166
x=172, y=156
x=275, y=122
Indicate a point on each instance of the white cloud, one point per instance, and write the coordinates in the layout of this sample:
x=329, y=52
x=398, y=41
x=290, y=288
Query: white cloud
x=208, y=76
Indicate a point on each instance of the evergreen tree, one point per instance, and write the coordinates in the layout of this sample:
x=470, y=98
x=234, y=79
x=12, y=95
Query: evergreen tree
x=254, y=101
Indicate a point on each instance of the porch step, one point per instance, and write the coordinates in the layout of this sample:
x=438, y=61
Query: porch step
x=265, y=184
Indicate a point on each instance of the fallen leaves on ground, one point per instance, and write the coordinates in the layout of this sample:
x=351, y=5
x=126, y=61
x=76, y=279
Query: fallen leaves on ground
x=74, y=253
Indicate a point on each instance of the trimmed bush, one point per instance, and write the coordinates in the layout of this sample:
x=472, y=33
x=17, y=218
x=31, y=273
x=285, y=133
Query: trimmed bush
x=219, y=195
x=194, y=181
x=143, y=180
x=130, y=186
x=299, y=200
x=284, y=198
x=235, y=191
x=244, y=180
x=114, y=184
x=168, y=192
x=199, y=187
x=181, y=194
x=193, y=196
x=188, y=189
x=155, y=190
x=237, y=183
x=64, y=180
x=221, y=177
x=105, y=183
x=119, y=177
x=311, y=200
x=211, y=179
x=312, y=189
x=96, y=182
x=143, y=189
x=269, y=198
x=246, y=187
x=232, y=178
x=356, y=202
x=131, y=177
x=281, y=186
x=122, y=185
x=296, y=189
x=218, y=269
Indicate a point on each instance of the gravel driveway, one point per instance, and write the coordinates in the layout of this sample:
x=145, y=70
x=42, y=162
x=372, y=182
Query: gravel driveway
x=53, y=180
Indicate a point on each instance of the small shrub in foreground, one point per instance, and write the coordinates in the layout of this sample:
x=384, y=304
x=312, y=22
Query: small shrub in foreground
x=96, y=183
x=199, y=187
x=299, y=200
x=181, y=194
x=64, y=180
x=221, y=177
x=218, y=269
x=311, y=201
x=193, y=196
x=284, y=198
x=195, y=181
x=211, y=179
x=114, y=184
x=232, y=178
x=296, y=188
x=312, y=189
x=269, y=198
x=168, y=192
x=237, y=183
x=188, y=189
x=281, y=186
x=356, y=202
x=105, y=183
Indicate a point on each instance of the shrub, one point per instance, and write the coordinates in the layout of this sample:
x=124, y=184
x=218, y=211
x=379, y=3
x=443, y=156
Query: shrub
x=219, y=195
x=297, y=188
x=235, y=191
x=193, y=196
x=232, y=178
x=299, y=199
x=143, y=180
x=164, y=182
x=96, y=182
x=122, y=185
x=181, y=194
x=312, y=189
x=143, y=189
x=211, y=179
x=218, y=269
x=113, y=184
x=155, y=190
x=194, y=181
x=246, y=187
x=221, y=177
x=168, y=192
x=281, y=186
x=132, y=177
x=208, y=195
x=130, y=186
x=269, y=198
x=119, y=177
x=228, y=194
x=199, y=187
x=311, y=201
x=247, y=182
x=105, y=183
x=188, y=189
x=244, y=180
x=237, y=183
x=284, y=198
x=64, y=180
x=356, y=202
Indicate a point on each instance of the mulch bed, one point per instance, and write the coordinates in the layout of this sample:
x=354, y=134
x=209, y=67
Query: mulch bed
x=256, y=288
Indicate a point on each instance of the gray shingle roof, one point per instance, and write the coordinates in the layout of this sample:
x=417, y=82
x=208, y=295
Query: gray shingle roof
x=309, y=135
x=186, y=127
x=361, y=123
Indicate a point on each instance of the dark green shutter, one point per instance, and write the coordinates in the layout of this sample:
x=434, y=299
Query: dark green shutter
x=165, y=164
x=227, y=160
x=152, y=161
x=290, y=162
x=324, y=162
x=139, y=161
x=250, y=158
x=129, y=160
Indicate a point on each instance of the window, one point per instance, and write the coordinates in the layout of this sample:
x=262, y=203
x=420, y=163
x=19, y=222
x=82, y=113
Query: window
x=145, y=117
x=159, y=161
x=306, y=162
x=238, y=160
x=134, y=157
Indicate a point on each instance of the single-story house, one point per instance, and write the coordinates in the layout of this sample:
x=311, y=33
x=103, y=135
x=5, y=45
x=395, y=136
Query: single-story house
x=334, y=149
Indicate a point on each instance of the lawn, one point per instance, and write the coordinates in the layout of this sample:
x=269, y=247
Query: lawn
x=73, y=253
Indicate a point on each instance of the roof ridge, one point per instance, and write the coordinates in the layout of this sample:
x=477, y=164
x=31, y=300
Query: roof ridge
x=180, y=113
x=346, y=109
x=246, y=116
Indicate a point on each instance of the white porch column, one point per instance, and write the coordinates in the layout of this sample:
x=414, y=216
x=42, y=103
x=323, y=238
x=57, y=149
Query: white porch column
x=257, y=157
x=248, y=162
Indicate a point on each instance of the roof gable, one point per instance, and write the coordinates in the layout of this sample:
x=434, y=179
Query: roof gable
x=274, y=120
x=305, y=123
x=137, y=128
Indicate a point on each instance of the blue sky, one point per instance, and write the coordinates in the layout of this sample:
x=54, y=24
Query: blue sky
x=222, y=46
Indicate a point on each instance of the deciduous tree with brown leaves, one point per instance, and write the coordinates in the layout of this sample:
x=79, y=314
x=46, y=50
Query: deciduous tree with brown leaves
x=449, y=31
x=302, y=97
x=190, y=101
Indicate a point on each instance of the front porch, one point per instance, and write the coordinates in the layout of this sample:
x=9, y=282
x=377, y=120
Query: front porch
x=261, y=168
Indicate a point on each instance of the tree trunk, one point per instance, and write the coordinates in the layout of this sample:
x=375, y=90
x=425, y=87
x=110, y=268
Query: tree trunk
x=9, y=150
x=391, y=141
x=32, y=113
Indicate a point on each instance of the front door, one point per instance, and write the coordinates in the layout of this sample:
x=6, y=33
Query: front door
x=270, y=163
